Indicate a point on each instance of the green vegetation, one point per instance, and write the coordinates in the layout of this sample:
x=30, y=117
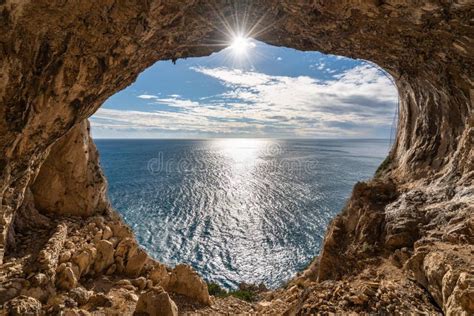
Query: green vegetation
x=384, y=165
x=215, y=290
x=245, y=292
x=244, y=295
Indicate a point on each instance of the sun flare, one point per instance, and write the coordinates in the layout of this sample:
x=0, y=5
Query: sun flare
x=240, y=45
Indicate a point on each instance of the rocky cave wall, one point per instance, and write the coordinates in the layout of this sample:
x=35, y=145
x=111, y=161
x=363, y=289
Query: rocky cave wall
x=70, y=181
x=61, y=60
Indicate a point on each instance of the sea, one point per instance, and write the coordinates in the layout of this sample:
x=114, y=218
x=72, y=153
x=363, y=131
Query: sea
x=236, y=210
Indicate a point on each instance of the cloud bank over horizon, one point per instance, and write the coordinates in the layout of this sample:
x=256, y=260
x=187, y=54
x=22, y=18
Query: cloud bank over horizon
x=330, y=97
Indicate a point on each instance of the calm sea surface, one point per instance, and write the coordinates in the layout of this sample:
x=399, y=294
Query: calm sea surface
x=252, y=210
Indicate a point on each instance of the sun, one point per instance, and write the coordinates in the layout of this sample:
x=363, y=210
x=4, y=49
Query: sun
x=240, y=45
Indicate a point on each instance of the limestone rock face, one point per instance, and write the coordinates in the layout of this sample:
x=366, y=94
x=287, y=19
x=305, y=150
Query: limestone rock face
x=357, y=231
x=61, y=60
x=446, y=271
x=156, y=302
x=70, y=182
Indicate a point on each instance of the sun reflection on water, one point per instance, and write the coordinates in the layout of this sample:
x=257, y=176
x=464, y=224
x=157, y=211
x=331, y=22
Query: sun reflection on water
x=241, y=150
x=242, y=161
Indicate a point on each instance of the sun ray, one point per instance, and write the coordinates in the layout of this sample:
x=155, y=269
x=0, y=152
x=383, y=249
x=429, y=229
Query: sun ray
x=239, y=31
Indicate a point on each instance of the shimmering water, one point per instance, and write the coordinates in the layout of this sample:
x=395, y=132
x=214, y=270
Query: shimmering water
x=252, y=210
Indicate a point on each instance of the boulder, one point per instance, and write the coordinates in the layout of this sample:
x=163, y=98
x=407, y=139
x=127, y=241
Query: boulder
x=156, y=302
x=140, y=283
x=85, y=258
x=66, y=279
x=136, y=261
x=107, y=233
x=159, y=275
x=184, y=280
x=105, y=256
x=22, y=305
x=80, y=295
x=125, y=246
x=100, y=300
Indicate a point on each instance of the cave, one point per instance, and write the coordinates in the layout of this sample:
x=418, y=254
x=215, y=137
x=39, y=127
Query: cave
x=410, y=228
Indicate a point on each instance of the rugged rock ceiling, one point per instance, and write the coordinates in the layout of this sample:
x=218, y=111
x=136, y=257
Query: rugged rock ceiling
x=60, y=60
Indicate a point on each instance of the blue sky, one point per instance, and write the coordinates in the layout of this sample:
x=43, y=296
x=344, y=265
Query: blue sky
x=258, y=91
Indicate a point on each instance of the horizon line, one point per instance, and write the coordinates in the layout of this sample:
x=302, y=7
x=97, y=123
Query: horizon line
x=210, y=138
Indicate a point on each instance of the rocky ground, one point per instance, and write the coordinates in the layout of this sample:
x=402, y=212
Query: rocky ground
x=75, y=266
x=71, y=266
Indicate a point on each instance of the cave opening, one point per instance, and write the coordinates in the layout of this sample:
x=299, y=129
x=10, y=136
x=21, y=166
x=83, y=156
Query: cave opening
x=406, y=233
x=236, y=162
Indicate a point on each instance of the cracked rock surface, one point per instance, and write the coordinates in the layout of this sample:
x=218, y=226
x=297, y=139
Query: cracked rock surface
x=403, y=243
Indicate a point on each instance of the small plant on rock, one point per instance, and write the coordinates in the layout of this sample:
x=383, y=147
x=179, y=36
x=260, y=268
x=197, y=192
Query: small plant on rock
x=245, y=291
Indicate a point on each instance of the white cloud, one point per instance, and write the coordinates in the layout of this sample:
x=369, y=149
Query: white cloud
x=147, y=96
x=362, y=93
x=175, y=101
x=353, y=103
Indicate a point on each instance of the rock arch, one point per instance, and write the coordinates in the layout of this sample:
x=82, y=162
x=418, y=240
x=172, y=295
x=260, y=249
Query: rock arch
x=61, y=60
